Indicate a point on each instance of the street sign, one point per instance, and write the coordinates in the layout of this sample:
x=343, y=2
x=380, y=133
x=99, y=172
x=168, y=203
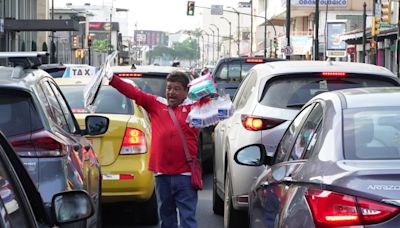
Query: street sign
x=217, y=9
x=287, y=50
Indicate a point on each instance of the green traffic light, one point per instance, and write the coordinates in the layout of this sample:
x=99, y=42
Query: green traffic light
x=190, y=8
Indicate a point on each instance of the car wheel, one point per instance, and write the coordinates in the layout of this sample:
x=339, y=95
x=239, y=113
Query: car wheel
x=218, y=203
x=232, y=218
x=150, y=211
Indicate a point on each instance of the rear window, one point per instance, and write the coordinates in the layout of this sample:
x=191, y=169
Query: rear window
x=233, y=71
x=55, y=72
x=371, y=134
x=153, y=85
x=108, y=101
x=294, y=92
x=17, y=114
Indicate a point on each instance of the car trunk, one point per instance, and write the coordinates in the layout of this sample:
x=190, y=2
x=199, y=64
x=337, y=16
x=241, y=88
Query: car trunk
x=108, y=145
x=377, y=179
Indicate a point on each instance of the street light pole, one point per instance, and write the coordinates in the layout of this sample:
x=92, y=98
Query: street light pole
x=208, y=45
x=238, y=29
x=52, y=51
x=230, y=33
x=213, y=45
x=288, y=8
x=217, y=39
x=202, y=56
x=316, y=24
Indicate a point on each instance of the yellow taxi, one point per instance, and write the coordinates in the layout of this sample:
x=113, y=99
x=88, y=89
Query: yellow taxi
x=123, y=150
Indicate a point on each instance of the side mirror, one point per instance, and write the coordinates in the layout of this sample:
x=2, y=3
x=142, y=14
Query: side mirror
x=71, y=206
x=96, y=125
x=253, y=155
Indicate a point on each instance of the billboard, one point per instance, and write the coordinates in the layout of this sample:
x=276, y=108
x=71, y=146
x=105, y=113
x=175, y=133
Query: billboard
x=334, y=30
x=150, y=37
x=103, y=26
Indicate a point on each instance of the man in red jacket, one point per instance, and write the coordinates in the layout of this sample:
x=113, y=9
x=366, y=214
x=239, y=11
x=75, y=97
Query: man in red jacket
x=167, y=155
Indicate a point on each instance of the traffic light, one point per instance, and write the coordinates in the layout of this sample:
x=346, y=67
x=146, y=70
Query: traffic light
x=75, y=42
x=375, y=26
x=190, y=8
x=89, y=40
x=386, y=12
x=275, y=42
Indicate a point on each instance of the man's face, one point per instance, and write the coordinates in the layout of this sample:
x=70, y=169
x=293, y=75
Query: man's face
x=175, y=93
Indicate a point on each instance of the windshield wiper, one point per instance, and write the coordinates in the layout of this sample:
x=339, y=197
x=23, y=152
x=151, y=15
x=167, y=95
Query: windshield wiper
x=296, y=105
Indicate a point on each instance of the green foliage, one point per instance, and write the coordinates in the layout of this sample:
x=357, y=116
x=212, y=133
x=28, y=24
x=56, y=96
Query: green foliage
x=100, y=45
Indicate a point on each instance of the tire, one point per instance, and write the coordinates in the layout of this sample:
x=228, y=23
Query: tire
x=149, y=212
x=232, y=218
x=218, y=203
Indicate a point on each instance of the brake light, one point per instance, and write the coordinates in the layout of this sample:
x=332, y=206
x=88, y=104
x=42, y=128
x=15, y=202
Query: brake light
x=134, y=142
x=254, y=60
x=39, y=144
x=333, y=74
x=129, y=74
x=336, y=209
x=253, y=123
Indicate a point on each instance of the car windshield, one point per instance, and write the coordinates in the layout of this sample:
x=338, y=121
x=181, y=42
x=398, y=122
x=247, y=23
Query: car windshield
x=371, y=133
x=233, y=71
x=18, y=116
x=154, y=85
x=294, y=92
x=108, y=101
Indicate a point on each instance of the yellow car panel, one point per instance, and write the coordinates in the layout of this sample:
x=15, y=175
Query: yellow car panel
x=125, y=176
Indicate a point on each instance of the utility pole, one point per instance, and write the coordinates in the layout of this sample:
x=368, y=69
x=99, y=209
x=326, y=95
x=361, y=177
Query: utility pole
x=213, y=45
x=216, y=27
x=364, y=40
x=251, y=28
x=316, y=25
x=52, y=51
x=265, y=28
x=398, y=40
x=230, y=34
x=288, y=25
x=375, y=37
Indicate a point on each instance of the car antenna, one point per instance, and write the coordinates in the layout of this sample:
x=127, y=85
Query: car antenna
x=133, y=66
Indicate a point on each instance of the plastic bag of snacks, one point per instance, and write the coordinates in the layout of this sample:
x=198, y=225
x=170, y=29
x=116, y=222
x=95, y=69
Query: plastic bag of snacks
x=207, y=112
x=201, y=87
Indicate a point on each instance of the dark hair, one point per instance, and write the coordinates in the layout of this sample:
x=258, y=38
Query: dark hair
x=178, y=76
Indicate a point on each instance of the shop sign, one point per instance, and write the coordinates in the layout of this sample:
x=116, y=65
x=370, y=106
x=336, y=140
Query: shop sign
x=311, y=3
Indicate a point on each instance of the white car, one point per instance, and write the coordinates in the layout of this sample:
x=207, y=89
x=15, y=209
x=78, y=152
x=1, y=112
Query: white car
x=267, y=100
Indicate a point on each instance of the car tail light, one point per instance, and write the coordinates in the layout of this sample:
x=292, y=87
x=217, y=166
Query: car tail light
x=254, y=60
x=129, y=74
x=254, y=123
x=336, y=209
x=134, y=142
x=333, y=74
x=39, y=144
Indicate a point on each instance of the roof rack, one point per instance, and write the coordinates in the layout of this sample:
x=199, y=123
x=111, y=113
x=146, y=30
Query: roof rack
x=24, y=59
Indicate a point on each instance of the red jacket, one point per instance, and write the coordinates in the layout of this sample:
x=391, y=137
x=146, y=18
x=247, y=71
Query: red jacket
x=167, y=155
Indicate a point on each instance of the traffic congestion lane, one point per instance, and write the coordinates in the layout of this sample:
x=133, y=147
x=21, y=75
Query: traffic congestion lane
x=115, y=217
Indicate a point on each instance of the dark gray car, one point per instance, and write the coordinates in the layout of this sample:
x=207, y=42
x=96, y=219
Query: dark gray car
x=338, y=164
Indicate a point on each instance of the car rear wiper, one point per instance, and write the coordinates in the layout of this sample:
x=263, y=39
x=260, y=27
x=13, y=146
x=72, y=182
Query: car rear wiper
x=296, y=105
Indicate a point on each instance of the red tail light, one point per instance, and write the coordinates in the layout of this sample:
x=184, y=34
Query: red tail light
x=129, y=74
x=333, y=74
x=254, y=60
x=134, y=142
x=336, y=209
x=39, y=144
x=254, y=123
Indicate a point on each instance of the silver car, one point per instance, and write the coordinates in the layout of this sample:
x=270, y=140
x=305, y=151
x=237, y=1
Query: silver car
x=338, y=164
x=267, y=100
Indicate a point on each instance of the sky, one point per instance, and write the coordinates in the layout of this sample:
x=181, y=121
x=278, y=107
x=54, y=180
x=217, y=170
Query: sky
x=162, y=15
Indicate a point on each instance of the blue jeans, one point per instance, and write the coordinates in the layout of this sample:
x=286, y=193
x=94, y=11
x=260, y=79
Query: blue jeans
x=176, y=192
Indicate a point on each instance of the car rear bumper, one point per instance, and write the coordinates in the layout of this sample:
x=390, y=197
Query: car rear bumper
x=127, y=179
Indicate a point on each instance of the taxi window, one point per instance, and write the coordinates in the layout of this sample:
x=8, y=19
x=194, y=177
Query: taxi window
x=152, y=85
x=108, y=101
x=294, y=92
